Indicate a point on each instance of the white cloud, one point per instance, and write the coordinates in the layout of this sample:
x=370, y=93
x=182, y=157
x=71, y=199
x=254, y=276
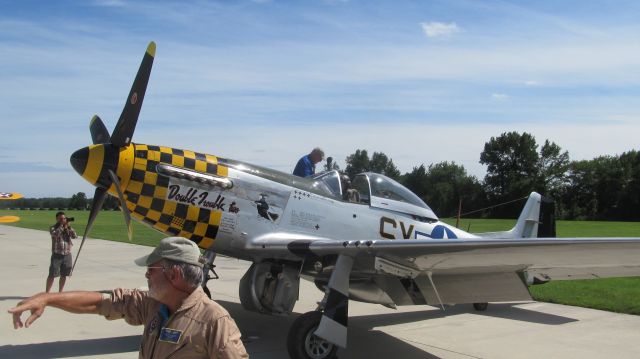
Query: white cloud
x=531, y=83
x=439, y=29
x=500, y=96
x=110, y=3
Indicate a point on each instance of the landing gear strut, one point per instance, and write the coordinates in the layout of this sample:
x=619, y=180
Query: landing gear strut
x=209, y=257
x=329, y=321
x=303, y=344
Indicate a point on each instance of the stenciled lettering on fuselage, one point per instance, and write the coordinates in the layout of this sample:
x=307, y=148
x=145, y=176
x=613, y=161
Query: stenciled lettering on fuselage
x=390, y=228
x=182, y=193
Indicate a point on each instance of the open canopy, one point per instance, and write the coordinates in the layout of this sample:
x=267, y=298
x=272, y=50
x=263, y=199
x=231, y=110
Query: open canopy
x=377, y=191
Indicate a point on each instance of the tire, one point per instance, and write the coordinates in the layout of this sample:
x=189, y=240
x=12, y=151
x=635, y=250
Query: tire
x=480, y=307
x=303, y=344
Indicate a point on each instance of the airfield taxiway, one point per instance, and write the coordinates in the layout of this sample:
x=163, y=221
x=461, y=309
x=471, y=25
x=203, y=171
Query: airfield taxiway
x=505, y=330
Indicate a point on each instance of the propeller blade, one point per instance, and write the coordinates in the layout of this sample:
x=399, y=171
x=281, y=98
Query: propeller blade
x=98, y=200
x=123, y=131
x=99, y=133
x=123, y=204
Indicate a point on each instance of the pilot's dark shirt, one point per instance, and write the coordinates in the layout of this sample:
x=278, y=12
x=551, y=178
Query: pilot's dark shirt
x=304, y=167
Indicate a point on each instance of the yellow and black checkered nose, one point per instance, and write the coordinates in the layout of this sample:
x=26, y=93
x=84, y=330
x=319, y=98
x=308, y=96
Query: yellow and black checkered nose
x=94, y=162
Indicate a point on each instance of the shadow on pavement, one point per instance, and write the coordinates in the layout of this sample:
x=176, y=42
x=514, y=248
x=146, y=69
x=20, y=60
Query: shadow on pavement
x=508, y=311
x=72, y=348
x=265, y=336
x=497, y=310
x=13, y=298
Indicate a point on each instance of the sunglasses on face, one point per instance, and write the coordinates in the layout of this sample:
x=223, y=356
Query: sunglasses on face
x=156, y=267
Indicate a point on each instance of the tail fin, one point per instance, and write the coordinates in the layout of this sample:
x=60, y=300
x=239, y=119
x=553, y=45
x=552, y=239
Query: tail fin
x=527, y=224
x=537, y=219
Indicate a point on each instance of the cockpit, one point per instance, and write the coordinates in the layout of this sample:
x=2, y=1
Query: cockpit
x=375, y=190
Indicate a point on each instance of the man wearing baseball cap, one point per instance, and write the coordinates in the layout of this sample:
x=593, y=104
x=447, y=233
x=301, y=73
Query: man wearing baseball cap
x=179, y=319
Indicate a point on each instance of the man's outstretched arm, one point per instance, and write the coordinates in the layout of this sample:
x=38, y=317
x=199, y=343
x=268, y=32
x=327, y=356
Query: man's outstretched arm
x=73, y=302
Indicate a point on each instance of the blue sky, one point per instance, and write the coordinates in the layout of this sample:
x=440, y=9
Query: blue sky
x=265, y=81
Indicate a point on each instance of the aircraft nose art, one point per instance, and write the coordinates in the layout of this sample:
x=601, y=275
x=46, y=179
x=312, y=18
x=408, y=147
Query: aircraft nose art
x=94, y=162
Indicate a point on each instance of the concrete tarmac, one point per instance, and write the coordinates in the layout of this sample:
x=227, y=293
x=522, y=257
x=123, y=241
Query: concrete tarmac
x=505, y=330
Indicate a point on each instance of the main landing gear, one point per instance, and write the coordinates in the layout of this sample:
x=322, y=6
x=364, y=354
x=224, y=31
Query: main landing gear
x=318, y=334
x=209, y=257
x=302, y=343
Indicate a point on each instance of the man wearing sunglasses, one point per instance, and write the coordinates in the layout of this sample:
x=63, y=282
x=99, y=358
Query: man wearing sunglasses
x=179, y=319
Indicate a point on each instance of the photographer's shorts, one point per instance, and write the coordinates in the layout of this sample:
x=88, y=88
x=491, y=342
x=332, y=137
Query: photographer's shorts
x=60, y=265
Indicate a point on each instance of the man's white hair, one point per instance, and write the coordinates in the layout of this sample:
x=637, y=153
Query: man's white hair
x=318, y=150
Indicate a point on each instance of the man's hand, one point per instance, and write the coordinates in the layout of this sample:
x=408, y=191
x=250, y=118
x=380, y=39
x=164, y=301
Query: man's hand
x=35, y=305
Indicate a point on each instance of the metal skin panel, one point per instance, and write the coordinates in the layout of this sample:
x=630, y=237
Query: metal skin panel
x=474, y=288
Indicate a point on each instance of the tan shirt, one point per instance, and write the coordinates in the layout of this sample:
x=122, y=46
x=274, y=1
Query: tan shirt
x=200, y=328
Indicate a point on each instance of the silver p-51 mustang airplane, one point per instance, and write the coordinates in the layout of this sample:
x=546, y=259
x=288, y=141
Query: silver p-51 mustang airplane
x=388, y=248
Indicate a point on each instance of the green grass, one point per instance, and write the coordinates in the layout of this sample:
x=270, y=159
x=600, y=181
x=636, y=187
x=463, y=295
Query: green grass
x=563, y=228
x=620, y=295
x=108, y=225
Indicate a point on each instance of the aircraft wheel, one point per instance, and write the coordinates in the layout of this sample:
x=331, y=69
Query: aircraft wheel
x=480, y=307
x=303, y=344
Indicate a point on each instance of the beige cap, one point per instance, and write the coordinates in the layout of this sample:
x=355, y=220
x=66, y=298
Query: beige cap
x=178, y=249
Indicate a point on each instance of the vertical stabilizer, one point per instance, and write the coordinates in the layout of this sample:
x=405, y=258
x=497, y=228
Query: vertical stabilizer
x=529, y=222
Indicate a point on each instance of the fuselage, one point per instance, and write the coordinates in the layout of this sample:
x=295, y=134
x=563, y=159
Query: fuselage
x=220, y=203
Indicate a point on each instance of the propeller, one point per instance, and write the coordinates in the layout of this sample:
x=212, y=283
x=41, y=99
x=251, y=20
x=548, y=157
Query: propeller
x=123, y=131
x=119, y=138
x=99, y=133
x=123, y=203
x=98, y=200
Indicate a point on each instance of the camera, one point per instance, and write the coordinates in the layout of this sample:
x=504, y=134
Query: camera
x=70, y=219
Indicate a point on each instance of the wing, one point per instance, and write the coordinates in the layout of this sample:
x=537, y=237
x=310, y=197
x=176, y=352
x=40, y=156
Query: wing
x=9, y=195
x=559, y=258
x=470, y=270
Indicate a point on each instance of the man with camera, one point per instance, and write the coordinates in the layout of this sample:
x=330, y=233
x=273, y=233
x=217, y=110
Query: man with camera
x=61, y=261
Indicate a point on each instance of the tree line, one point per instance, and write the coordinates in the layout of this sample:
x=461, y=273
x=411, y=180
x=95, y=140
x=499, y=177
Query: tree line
x=77, y=201
x=604, y=188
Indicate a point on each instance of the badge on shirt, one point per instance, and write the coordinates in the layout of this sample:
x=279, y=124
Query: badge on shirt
x=153, y=325
x=170, y=335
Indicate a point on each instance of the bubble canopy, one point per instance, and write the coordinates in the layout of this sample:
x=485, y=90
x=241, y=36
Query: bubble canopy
x=382, y=192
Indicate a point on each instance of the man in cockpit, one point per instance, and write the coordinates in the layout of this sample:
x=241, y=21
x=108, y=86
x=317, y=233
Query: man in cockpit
x=306, y=166
x=349, y=194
